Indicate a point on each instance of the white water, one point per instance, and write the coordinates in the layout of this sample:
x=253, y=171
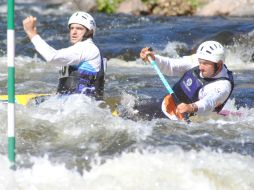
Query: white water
x=171, y=169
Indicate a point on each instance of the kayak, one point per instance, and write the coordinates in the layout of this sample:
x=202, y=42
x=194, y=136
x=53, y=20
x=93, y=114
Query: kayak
x=23, y=99
x=168, y=107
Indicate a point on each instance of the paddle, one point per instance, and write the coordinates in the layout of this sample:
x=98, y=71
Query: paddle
x=170, y=101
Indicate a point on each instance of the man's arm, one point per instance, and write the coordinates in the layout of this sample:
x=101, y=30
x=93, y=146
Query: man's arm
x=213, y=95
x=60, y=57
x=175, y=66
x=186, y=108
x=29, y=25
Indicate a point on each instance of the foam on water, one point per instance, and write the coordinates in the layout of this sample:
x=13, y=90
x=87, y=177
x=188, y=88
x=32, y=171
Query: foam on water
x=167, y=169
x=238, y=55
x=38, y=6
x=173, y=169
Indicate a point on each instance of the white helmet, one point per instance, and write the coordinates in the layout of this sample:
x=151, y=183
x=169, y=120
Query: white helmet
x=212, y=51
x=84, y=19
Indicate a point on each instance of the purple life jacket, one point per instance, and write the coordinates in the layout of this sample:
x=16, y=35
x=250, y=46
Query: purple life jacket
x=187, y=88
x=72, y=81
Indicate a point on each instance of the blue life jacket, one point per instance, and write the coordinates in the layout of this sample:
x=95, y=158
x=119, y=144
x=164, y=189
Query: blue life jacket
x=187, y=88
x=74, y=79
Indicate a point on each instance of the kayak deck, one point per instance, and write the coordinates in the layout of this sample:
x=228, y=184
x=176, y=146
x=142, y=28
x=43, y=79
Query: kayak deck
x=22, y=99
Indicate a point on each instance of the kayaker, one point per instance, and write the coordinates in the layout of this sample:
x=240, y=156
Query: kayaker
x=206, y=83
x=82, y=65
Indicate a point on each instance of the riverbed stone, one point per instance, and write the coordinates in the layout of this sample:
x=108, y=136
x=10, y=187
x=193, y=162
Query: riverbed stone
x=172, y=8
x=75, y=5
x=227, y=8
x=134, y=7
x=167, y=7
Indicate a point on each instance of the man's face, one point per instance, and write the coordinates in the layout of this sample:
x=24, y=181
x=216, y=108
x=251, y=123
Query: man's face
x=206, y=68
x=77, y=33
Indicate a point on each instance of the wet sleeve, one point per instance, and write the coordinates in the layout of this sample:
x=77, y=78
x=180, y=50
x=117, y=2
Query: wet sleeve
x=175, y=66
x=213, y=95
x=60, y=57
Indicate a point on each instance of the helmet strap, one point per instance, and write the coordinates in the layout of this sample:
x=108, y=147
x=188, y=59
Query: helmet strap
x=217, y=68
x=88, y=34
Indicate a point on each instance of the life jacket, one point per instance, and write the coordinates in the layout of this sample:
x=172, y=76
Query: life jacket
x=73, y=80
x=187, y=88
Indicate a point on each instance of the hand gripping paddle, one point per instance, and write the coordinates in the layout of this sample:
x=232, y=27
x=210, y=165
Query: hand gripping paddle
x=170, y=101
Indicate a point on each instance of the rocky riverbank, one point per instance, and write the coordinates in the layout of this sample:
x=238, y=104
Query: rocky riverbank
x=163, y=7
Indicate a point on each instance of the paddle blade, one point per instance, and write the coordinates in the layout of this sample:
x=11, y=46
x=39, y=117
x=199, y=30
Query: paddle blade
x=168, y=107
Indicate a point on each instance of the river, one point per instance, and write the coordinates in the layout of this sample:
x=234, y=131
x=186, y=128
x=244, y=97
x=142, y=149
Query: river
x=76, y=143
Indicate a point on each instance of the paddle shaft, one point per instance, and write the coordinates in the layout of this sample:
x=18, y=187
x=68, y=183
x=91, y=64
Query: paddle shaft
x=163, y=79
x=166, y=84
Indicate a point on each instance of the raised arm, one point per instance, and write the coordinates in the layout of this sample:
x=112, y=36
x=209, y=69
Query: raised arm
x=29, y=25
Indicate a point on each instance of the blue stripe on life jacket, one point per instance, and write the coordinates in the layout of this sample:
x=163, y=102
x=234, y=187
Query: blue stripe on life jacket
x=86, y=68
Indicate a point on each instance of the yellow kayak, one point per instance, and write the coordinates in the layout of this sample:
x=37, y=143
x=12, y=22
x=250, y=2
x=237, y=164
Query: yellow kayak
x=22, y=99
